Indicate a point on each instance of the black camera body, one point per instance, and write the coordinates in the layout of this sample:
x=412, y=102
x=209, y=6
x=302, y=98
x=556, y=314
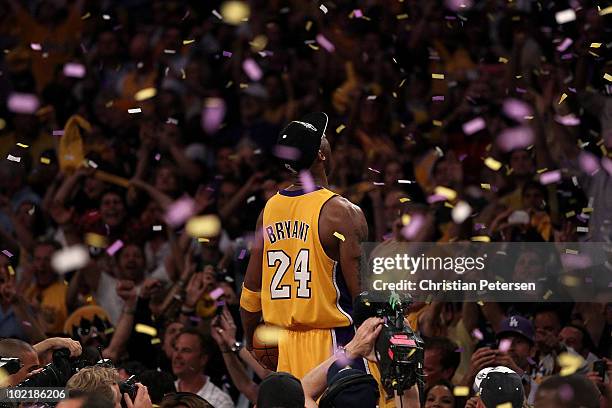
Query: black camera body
x=128, y=387
x=399, y=350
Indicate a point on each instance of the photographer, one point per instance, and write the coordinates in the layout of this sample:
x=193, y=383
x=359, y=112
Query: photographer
x=31, y=358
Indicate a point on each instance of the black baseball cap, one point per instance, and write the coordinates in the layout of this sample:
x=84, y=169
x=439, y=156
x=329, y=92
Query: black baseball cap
x=305, y=137
x=348, y=387
x=280, y=390
x=499, y=385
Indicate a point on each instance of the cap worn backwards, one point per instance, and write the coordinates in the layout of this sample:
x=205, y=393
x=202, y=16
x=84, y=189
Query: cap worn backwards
x=305, y=137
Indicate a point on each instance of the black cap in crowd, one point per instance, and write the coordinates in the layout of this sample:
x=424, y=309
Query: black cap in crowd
x=280, y=390
x=305, y=136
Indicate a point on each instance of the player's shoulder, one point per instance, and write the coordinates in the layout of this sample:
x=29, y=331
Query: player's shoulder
x=339, y=206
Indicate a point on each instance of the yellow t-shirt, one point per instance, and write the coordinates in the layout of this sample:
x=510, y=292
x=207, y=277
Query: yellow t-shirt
x=51, y=303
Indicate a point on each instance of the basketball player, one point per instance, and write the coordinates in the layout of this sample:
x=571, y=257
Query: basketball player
x=304, y=268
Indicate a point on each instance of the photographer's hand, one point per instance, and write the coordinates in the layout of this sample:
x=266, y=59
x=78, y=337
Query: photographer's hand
x=363, y=343
x=142, y=399
x=55, y=343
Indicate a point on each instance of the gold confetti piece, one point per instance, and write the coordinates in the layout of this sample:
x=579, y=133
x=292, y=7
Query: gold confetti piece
x=571, y=281
x=340, y=128
x=145, y=93
x=547, y=294
x=402, y=16
x=86, y=16
x=89, y=299
x=244, y=86
x=570, y=214
x=540, y=171
x=504, y=405
x=203, y=240
x=503, y=60
x=595, y=45
x=45, y=160
x=446, y=192
x=109, y=104
x=266, y=334
x=605, y=11
x=339, y=236
x=394, y=94
x=308, y=25
x=203, y=226
x=402, y=83
x=437, y=76
x=461, y=391
x=492, y=164
x=481, y=238
x=143, y=328
x=404, y=200
x=259, y=43
x=569, y=363
x=2, y=123
x=563, y=96
x=156, y=340
x=95, y=240
x=187, y=42
x=110, y=330
x=485, y=186
x=480, y=303
x=314, y=47
x=11, y=270
x=235, y=12
x=608, y=77
x=437, y=123
x=582, y=229
x=405, y=219
x=25, y=146
x=587, y=210
x=3, y=377
x=448, y=205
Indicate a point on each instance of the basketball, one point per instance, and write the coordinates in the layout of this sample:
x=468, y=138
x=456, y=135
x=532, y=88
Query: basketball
x=265, y=345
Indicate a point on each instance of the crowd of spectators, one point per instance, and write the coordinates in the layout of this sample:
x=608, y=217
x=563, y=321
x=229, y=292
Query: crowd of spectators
x=505, y=103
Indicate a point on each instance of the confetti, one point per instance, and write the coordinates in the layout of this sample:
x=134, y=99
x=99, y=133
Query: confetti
x=404, y=200
x=405, y=219
x=400, y=181
x=135, y=110
x=568, y=120
x=70, y=258
x=227, y=54
x=144, y=329
x=547, y=294
x=564, y=44
x=323, y=8
x=179, y=211
x=569, y=363
x=595, y=45
x=550, y=177
x=516, y=109
x=250, y=199
x=308, y=183
x=504, y=345
x=565, y=16
x=252, y=69
x=402, y=16
x=216, y=14
x=286, y=152
x=492, y=164
x=446, y=192
x=588, y=162
x=416, y=223
x=235, y=12
x=504, y=405
x=461, y=212
x=22, y=103
x=114, y=247
x=437, y=98
x=36, y=46
x=437, y=76
x=503, y=60
x=7, y=253
x=461, y=391
x=155, y=340
x=204, y=240
x=45, y=160
x=357, y=13
x=566, y=392
x=477, y=334
x=216, y=293
x=95, y=240
x=204, y=226
x=607, y=77
x=213, y=114
x=339, y=236
x=157, y=228
x=74, y=70
x=582, y=229
x=340, y=128
x=481, y=238
x=25, y=146
x=605, y=11
x=167, y=51
x=570, y=281
x=473, y=126
x=145, y=93
x=325, y=43
x=267, y=334
x=242, y=254
x=12, y=158
x=563, y=97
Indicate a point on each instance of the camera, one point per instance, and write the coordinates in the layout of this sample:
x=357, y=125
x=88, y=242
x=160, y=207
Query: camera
x=399, y=350
x=128, y=387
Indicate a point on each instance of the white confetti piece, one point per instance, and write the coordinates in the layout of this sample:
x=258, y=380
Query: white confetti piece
x=157, y=228
x=323, y=8
x=12, y=158
x=70, y=258
x=565, y=16
x=250, y=199
x=461, y=212
x=473, y=126
x=135, y=110
x=216, y=14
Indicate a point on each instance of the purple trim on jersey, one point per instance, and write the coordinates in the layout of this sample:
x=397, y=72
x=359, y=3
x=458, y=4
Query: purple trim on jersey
x=295, y=193
x=343, y=336
x=345, y=301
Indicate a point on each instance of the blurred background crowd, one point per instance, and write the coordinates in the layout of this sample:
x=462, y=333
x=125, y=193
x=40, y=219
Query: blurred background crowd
x=504, y=104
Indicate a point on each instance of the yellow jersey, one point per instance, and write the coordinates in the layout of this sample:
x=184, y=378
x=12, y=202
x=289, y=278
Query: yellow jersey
x=302, y=288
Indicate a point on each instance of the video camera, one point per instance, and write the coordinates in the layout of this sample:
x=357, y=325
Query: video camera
x=399, y=350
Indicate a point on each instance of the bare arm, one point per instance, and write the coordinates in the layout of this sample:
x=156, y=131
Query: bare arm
x=127, y=291
x=252, y=282
x=162, y=199
x=409, y=399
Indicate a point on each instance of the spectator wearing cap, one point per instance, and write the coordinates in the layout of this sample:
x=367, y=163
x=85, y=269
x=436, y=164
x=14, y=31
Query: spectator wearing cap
x=280, y=390
x=348, y=387
x=499, y=386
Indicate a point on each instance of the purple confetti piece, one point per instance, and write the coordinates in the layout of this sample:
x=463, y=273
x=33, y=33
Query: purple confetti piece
x=26, y=323
x=588, y=162
x=115, y=246
x=7, y=253
x=213, y=114
x=74, y=70
x=473, y=126
x=575, y=261
x=504, y=345
x=216, y=293
x=227, y=54
x=567, y=56
x=357, y=13
x=286, y=152
x=387, y=236
x=515, y=138
x=58, y=133
x=459, y=350
x=411, y=230
x=307, y=181
x=565, y=44
x=566, y=392
x=462, y=157
x=550, y=177
x=179, y=211
x=22, y=103
x=252, y=69
x=606, y=163
x=36, y=46
x=157, y=156
x=521, y=90
x=220, y=303
x=588, y=279
x=242, y=254
x=435, y=198
x=479, y=226
x=567, y=120
x=195, y=318
x=476, y=333
x=325, y=43
x=517, y=110
x=457, y=5
x=437, y=98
